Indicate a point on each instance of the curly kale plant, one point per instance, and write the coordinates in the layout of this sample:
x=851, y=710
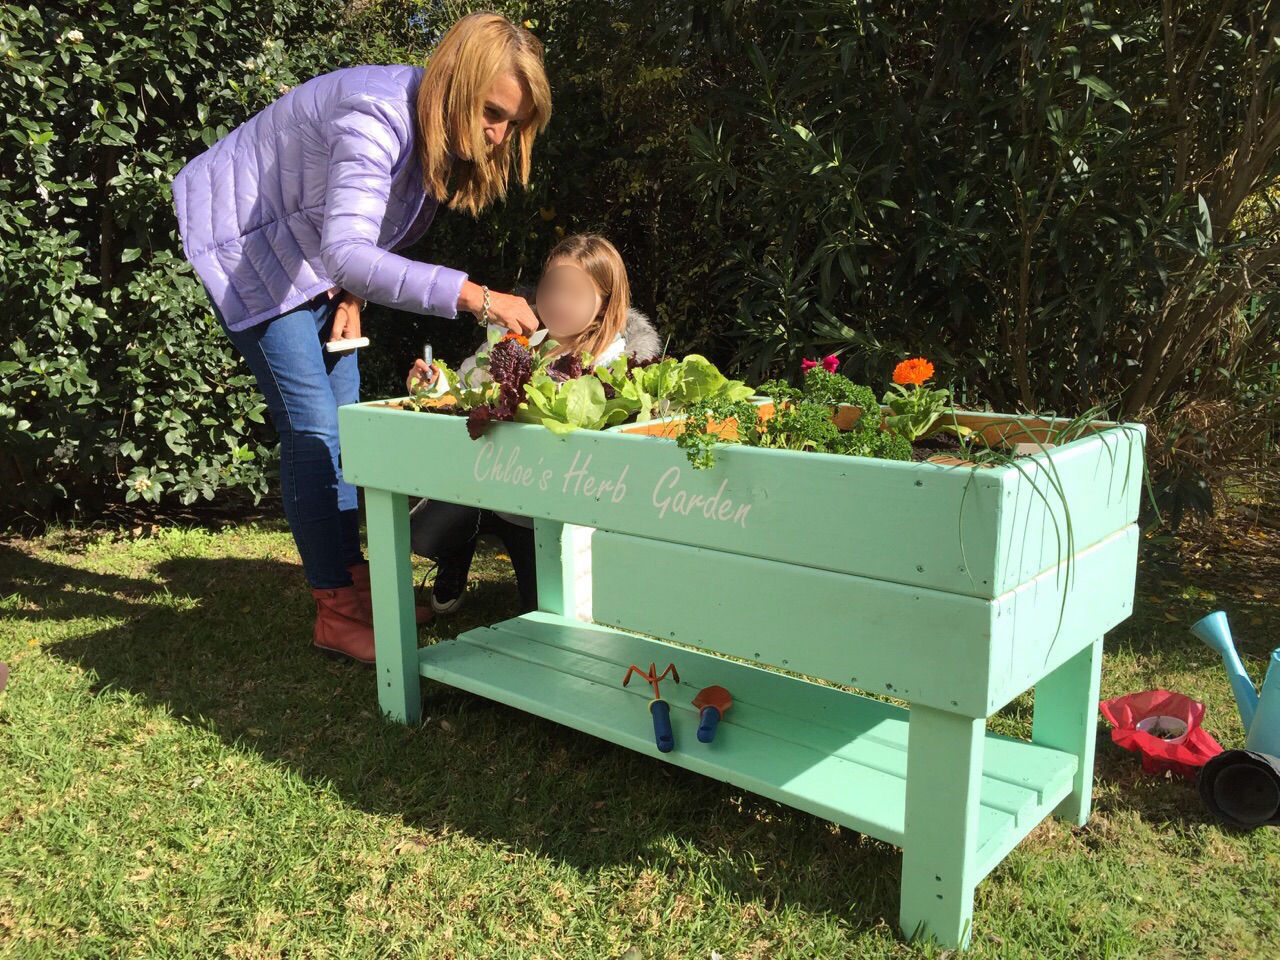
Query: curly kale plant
x=510, y=367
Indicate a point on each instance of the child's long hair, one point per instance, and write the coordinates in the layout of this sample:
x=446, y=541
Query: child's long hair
x=462, y=67
x=603, y=263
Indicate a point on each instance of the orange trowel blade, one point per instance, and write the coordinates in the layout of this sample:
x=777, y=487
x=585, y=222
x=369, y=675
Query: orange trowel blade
x=717, y=697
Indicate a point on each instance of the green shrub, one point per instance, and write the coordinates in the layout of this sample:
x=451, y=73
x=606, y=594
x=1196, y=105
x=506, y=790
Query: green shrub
x=1029, y=195
x=1020, y=191
x=114, y=380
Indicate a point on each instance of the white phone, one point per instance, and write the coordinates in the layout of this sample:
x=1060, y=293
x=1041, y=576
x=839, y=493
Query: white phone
x=342, y=346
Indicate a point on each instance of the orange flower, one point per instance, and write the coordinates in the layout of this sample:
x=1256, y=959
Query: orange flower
x=914, y=371
x=518, y=338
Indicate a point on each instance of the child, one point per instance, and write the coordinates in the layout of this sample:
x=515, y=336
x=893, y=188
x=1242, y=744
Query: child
x=583, y=300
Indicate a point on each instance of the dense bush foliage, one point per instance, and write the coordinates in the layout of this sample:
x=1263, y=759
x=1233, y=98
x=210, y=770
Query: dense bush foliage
x=114, y=379
x=1070, y=210
x=1061, y=211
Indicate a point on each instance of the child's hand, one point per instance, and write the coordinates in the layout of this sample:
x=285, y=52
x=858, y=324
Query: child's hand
x=421, y=375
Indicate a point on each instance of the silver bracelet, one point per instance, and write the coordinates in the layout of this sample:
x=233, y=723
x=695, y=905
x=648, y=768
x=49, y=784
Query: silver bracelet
x=484, y=308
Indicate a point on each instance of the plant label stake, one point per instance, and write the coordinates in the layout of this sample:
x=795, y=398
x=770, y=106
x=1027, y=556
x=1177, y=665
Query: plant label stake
x=347, y=345
x=659, y=708
x=711, y=702
x=429, y=358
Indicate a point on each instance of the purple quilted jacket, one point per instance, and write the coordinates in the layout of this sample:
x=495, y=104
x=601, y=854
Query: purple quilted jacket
x=317, y=190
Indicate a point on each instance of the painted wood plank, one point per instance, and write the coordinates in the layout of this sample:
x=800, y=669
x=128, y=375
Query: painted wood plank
x=1033, y=634
x=754, y=501
x=861, y=632
x=812, y=782
x=955, y=653
x=943, y=806
x=1065, y=717
x=1087, y=484
x=554, y=563
x=395, y=629
x=559, y=668
x=819, y=704
x=871, y=734
x=947, y=525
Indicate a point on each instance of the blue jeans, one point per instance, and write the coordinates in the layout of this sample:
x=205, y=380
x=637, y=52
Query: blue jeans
x=303, y=386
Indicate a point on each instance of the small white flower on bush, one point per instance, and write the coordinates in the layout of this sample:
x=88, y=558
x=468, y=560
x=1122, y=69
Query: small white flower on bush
x=74, y=36
x=248, y=64
x=283, y=88
x=111, y=449
x=142, y=484
x=64, y=450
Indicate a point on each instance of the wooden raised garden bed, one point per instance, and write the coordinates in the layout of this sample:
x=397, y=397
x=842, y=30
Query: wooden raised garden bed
x=950, y=588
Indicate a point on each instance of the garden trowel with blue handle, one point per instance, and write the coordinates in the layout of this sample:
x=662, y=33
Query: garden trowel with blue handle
x=711, y=702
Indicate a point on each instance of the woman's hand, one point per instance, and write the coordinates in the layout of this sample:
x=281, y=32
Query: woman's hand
x=421, y=375
x=346, y=319
x=506, y=309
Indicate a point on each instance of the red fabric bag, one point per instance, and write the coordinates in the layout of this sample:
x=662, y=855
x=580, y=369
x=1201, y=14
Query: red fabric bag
x=1184, y=758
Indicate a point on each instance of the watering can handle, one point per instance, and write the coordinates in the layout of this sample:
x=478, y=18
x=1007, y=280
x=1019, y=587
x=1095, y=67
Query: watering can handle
x=662, y=734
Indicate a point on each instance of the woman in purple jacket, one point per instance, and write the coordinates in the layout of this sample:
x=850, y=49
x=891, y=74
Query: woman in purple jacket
x=309, y=199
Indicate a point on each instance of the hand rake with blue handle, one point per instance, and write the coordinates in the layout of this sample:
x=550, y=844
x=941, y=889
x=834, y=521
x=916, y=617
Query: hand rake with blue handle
x=658, y=707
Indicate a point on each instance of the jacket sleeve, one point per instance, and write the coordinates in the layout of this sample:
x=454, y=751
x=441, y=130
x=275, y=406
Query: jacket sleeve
x=364, y=141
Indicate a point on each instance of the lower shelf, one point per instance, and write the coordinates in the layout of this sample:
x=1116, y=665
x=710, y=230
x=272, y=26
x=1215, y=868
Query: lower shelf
x=831, y=753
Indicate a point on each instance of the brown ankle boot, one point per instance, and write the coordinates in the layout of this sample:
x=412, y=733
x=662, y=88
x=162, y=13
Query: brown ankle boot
x=341, y=628
x=360, y=580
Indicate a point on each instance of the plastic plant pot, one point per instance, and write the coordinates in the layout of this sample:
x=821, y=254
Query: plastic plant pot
x=1172, y=730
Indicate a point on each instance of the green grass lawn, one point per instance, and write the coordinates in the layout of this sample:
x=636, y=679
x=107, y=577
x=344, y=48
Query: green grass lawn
x=181, y=776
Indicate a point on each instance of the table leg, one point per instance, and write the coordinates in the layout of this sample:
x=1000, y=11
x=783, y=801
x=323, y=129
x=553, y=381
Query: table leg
x=555, y=568
x=944, y=778
x=1065, y=717
x=395, y=630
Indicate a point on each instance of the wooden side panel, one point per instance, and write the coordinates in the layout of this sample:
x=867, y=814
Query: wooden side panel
x=914, y=644
x=830, y=512
x=1034, y=633
x=956, y=529
x=1060, y=504
x=954, y=653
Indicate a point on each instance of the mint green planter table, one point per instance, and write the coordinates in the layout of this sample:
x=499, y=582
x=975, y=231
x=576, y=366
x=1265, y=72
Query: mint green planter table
x=949, y=588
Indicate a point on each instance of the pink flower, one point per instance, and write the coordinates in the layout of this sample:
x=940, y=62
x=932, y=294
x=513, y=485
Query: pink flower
x=829, y=363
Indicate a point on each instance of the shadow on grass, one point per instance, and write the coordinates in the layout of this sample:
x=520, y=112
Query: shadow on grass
x=224, y=644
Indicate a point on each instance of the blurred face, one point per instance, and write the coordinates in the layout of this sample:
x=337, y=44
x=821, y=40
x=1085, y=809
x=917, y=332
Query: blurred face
x=568, y=299
x=507, y=104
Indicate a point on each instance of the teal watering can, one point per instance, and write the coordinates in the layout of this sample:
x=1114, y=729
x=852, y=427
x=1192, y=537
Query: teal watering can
x=1242, y=787
x=1259, y=712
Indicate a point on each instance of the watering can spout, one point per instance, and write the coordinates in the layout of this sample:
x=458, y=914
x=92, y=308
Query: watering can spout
x=1216, y=634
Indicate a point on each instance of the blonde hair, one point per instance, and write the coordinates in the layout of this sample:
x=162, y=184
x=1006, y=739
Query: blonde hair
x=602, y=262
x=460, y=71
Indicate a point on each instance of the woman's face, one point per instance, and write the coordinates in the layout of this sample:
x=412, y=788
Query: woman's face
x=506, y=105
x=567, y=298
